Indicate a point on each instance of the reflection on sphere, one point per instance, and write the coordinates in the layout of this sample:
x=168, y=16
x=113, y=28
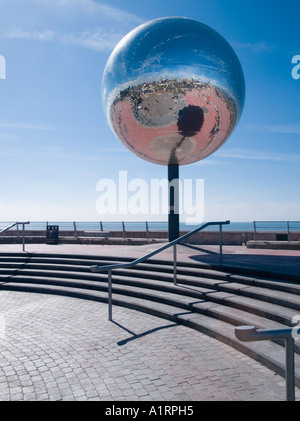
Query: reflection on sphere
x=173, y=91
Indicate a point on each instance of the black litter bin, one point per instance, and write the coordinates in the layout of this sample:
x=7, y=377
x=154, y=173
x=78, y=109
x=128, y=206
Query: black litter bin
x=52, y=234
x=281, y=237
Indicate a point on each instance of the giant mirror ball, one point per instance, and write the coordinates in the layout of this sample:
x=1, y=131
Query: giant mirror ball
x=173, y=90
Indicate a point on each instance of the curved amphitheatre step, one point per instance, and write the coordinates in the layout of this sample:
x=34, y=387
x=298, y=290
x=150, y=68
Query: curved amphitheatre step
x=206, y=298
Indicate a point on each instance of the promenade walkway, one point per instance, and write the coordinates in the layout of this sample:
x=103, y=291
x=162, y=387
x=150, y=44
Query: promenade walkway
x=61, y=348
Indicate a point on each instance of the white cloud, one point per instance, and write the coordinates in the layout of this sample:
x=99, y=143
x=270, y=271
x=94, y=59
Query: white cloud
x=67, y=9
x=39, y=210
x=17, y=33
x=255, y=47
x=117, y=14
x=27, y=126
x=90, y=7
x=8, y=137
x=258, y=155
x=243, y=211
x=83, y=23
x=98, y=40
x=277, y=128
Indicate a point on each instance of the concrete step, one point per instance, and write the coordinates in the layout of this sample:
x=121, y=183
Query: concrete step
x=285, y=299
x=205, y=298
x=224, y=267
x=195, y=299
x=207, y=270
x=210, y=297
x=194, y=278
x=83, y=265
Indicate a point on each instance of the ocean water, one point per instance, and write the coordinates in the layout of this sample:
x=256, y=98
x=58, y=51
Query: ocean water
x=159, y=226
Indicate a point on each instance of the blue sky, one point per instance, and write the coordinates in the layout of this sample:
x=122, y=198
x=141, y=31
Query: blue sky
x=55, y=144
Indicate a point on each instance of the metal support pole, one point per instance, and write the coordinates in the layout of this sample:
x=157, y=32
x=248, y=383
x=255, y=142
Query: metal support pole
x=175, y=264
x=254, y=224
x=147, y=230
x=123, y=228
x=23, y=241
x=173, y=178
x=250, y=333
x=75, y=231
x=109, y=295
x=290, y=368
x=221, y=242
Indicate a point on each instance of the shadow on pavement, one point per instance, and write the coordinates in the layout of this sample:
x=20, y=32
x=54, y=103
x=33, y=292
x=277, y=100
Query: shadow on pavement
x=280, y=265
x=140, y=335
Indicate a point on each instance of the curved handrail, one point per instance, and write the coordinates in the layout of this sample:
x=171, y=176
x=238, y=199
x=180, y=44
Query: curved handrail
x=109, y=268
x=97, y=268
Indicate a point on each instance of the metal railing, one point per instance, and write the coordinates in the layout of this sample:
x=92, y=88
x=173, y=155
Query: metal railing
x=173, y=243
x=250, y=334
x=17, y=225
x=280, y=226
x=76, y=227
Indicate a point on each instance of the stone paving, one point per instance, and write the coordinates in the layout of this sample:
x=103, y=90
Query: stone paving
x=55, y=348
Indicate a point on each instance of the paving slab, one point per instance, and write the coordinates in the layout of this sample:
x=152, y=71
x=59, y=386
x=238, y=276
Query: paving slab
x=56, y=348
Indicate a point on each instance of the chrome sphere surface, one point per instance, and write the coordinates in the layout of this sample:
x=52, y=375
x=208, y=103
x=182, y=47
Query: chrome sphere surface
x=173, y=90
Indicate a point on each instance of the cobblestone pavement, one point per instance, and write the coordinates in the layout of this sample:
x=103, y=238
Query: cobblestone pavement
x=55, y=348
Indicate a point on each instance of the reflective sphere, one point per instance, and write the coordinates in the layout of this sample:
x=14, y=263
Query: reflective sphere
x=173, y=90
